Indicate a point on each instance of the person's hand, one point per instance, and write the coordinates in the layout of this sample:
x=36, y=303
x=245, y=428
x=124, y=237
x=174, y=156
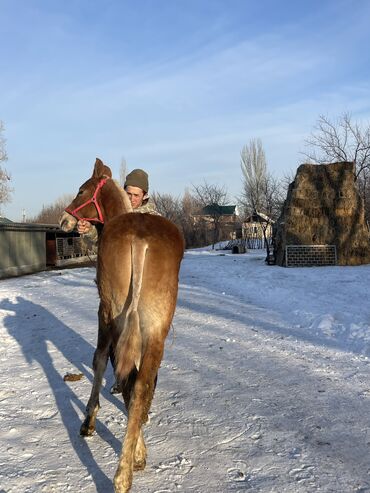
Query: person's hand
x=83, y=227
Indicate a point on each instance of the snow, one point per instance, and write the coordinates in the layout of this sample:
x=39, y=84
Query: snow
x=264, y=385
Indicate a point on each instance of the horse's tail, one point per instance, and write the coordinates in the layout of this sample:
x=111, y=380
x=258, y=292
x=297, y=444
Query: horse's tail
x=129, y=346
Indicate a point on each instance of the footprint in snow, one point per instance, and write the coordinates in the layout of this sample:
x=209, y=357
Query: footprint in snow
x=42, y=414
x=238, y=474
x=174, y=470
x=303, y=473
x=235, y=474
x=178, y=462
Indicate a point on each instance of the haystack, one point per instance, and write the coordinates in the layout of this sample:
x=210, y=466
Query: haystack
x=323, y=207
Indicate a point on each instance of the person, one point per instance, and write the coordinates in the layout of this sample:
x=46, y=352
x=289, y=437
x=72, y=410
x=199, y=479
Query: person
x=137, y=188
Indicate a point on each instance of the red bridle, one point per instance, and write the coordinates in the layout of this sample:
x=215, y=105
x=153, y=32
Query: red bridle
x=94, y=201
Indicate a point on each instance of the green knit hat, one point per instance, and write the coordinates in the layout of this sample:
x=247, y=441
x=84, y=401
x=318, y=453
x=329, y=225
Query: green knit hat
x=137, y=178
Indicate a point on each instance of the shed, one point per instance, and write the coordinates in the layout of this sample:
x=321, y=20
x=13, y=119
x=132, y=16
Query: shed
x=26, y=248
x=256, y=227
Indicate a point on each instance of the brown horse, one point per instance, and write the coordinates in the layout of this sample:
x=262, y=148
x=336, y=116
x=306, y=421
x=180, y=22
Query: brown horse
x=139, y=258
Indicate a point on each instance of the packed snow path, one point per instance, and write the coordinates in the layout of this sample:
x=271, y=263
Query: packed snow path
x=265, y=383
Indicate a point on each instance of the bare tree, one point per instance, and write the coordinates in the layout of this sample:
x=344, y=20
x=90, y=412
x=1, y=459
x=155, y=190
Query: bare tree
x=168, y=206
x=286, y=180
x=254, y=169
x=262, y=192
x=211, y=198
x=5, y=189
x=194, y=231
x=343, y=140
x=51, y=213
x=340, y=140
x=182, y=211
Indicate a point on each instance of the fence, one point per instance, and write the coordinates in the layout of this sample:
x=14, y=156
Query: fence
x=257, y=243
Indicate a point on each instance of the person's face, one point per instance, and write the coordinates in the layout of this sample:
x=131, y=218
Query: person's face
x=136, y=196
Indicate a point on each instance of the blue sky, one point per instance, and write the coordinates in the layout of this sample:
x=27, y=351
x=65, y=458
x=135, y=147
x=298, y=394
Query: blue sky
x=176, y=87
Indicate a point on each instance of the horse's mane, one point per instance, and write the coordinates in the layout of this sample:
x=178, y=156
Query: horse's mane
x=126, y=200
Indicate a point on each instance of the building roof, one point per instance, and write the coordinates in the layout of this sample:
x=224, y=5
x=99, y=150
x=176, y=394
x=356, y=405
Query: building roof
x=12, y=226
x=222, y=210
x=5, y=220
x=258, y=217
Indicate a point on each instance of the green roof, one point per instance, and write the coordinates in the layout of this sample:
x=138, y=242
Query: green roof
x=222, y=210
x=258, y=217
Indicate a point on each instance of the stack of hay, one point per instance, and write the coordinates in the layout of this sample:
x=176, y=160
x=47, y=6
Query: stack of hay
x=323, y=207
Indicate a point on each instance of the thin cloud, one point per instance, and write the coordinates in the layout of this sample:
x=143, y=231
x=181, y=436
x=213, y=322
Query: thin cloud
x=80, y=82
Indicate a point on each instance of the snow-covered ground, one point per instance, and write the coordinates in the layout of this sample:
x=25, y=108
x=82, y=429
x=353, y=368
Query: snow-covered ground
x=265, y=383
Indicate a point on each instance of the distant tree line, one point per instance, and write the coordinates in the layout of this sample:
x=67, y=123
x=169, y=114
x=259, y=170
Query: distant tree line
x=183, y=211
x=342, y=139
x=5, y=189
x=51, y=213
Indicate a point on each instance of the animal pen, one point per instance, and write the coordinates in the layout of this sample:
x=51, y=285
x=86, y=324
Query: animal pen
x=27, y=248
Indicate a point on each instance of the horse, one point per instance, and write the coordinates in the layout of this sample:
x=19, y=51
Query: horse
x=138, y=264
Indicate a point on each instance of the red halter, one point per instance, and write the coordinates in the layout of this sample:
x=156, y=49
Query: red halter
x=94, y=201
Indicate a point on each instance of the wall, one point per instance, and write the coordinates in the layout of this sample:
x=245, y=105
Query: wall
x=21, y=252
x=310, y=255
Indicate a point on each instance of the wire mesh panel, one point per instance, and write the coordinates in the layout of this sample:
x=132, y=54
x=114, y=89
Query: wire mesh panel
x=70, y=247
x=310, y=255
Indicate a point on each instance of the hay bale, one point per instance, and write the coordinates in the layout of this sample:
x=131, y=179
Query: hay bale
x=323, y=207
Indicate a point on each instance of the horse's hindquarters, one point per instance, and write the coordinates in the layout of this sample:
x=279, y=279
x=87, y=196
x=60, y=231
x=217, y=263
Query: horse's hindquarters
x=113, y=279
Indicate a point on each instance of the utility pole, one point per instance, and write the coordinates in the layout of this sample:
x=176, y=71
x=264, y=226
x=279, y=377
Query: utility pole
x=122, y=172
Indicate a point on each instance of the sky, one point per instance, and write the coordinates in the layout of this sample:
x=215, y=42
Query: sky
x=176, y=87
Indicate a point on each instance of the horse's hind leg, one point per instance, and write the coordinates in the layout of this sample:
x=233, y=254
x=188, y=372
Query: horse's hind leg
x=99, y=365
x=140, y=450
x=127, y=387
x=141, y=398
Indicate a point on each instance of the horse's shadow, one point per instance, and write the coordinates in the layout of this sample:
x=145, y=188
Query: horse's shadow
x=33, y=340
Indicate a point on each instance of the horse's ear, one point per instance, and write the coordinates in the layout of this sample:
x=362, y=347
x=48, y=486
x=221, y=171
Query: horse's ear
x=101, y=170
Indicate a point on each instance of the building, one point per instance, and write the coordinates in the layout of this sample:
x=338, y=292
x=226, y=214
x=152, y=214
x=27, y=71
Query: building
x=255, y=229
x=27, y=248
x=227, y=218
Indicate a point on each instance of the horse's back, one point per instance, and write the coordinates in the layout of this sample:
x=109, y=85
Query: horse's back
x=162, y=237
x=164, y=248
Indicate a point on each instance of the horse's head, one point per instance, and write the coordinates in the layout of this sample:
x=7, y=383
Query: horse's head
x=85, y=205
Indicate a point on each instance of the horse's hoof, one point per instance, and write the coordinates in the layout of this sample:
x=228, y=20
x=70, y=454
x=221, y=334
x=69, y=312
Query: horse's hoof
x=86, y=429
x=122, y=481
x=116, y=388
x=139, y=465
x=121, y=489
x=88, y=426
x=121, y=486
